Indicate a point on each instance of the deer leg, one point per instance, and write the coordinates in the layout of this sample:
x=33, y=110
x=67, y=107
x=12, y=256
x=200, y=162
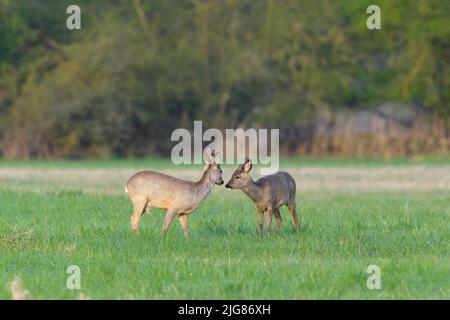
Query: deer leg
x=138, y=208
x=148, y=209
x=278, y=219
x=184, y=224
x=261, y=222
x=294, y=216
x=168, y=220
x=269, y=221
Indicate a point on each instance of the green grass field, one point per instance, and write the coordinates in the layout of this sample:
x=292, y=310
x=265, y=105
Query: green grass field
x=44, y=230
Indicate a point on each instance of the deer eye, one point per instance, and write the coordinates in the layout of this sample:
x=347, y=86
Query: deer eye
x=237, y=177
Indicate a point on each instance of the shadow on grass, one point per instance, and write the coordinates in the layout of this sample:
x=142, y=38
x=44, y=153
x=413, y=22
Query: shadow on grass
x=221, y=230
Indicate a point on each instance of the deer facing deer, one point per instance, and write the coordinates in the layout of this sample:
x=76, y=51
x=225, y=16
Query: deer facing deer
x=268, y=193
x=149, y=189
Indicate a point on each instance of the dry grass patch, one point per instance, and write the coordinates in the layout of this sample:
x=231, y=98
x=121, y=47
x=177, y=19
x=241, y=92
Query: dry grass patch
x=413, y=178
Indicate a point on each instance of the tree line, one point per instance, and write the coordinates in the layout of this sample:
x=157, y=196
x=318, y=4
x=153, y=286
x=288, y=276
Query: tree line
x=138, y=69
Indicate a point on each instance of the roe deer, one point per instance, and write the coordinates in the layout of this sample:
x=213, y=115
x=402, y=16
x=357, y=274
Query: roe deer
x=149, y=189
x=269, y=193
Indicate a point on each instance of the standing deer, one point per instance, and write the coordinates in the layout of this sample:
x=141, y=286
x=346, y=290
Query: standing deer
x=149, y=189
x=269, y=193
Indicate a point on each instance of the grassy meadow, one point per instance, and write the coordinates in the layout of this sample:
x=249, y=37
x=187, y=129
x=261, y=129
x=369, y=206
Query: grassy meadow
x=394, y=215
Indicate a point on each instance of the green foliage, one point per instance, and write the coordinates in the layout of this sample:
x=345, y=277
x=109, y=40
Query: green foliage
x=137, y=69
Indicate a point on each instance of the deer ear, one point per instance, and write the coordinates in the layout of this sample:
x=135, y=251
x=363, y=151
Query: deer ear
x=216, y=157
x=247, y=165
x=208, y=156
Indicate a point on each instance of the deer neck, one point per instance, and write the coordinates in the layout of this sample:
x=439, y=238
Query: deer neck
x=253, y=191
x=204, y=186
